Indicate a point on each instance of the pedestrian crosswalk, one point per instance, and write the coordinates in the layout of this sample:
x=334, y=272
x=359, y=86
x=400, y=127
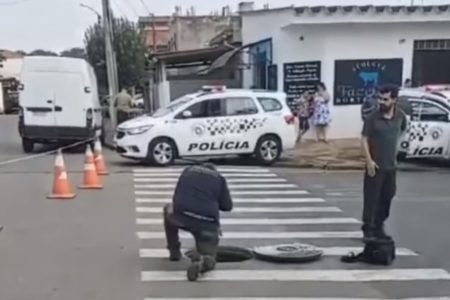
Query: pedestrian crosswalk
x=268, y=210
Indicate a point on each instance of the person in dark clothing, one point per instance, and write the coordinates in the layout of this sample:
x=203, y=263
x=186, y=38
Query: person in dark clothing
x=201, y=193
x=381, y=132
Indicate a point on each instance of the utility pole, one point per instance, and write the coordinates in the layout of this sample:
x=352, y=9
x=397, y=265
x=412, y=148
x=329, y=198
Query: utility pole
x=111, y=68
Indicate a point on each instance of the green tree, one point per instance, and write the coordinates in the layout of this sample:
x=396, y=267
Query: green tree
x=74, y=53
x=40, y=52
x=129, y=46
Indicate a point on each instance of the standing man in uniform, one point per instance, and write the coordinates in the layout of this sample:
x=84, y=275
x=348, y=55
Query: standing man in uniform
x=123, y=103
x=380, y=138
x=201, y=193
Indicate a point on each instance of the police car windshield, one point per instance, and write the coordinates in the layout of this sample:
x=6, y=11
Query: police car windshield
x=171, y=107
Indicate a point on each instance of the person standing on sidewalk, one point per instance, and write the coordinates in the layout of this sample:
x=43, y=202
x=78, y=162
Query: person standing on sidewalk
x=322, y=115
x=123, y=104
x=201, y=193
x=381, y=132
x=304, y=112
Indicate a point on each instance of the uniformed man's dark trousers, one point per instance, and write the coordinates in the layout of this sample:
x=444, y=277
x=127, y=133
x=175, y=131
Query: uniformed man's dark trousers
x=378, y=194
x=206, y=240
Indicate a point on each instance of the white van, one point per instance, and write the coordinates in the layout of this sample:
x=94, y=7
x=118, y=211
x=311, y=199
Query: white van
x=58, y=101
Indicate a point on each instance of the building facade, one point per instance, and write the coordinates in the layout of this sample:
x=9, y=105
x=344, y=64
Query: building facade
x=157, y=32
x=352, y=49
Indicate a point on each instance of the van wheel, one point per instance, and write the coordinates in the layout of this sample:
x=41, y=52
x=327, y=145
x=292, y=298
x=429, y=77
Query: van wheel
x=268, y=149
x=27, y=145
x=161, y=152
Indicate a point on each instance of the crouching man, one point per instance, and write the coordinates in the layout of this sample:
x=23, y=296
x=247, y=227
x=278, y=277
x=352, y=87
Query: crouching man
x=201, y=193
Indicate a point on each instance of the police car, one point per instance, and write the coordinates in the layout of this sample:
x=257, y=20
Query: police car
x=215, y=121
x=428, y=132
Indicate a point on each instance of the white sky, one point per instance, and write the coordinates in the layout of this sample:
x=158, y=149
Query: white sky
x=59, y=24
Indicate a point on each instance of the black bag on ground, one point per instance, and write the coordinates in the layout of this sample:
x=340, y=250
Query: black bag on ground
x=378, y=252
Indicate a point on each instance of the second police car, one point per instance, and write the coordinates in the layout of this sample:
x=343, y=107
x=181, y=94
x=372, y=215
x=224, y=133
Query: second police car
x=428, y=132
x=212, y=122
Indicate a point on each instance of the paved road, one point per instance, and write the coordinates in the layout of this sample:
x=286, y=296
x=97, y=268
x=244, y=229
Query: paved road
x=301, y=215
x=79, y=249
x=108, y=244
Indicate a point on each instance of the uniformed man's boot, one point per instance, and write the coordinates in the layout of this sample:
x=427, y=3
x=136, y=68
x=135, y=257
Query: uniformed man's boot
x=370, y=233
x=194, y=270
x=381, y=234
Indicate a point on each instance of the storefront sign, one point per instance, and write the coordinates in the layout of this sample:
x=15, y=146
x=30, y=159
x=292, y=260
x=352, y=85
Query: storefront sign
x=354, y=80
x=299, y=77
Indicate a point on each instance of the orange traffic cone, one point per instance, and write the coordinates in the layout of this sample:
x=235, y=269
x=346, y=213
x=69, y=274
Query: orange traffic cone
x=100, y=164
x=62, y=189
x=91, y=180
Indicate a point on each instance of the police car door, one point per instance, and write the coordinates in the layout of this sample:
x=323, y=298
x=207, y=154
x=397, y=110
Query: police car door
x=192, y=128
x=241, y=125
x=428, y=131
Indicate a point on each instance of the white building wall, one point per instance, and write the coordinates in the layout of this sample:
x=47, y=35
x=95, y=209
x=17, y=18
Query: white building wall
x=330, y=42
x=11, y=67
x=260, y=27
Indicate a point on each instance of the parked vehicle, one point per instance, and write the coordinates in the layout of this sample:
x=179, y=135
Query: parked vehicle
x=58, y=101
x=428, y=132
x=212, y=122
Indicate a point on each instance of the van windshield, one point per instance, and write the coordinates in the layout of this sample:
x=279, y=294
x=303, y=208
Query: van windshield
x=171, y=107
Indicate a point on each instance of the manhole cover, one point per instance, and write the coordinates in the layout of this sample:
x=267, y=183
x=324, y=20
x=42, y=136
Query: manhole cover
x=288, y=253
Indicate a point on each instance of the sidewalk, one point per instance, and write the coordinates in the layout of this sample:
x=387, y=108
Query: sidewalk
x=343, y=154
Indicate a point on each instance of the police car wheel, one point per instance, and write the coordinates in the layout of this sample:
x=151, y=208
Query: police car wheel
x=268, y=149
x=161, y=152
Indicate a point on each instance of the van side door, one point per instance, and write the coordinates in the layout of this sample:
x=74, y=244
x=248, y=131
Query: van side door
x=429, y=130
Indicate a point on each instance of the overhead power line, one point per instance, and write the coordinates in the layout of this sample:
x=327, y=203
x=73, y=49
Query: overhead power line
x=131, y=7
x=119, y=8
x=146, y=7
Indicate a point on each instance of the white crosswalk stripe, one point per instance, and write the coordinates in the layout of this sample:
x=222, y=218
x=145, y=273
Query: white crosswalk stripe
x=306, y=275
x=267, y=210
x=261, y=200
x=231, y=186
x=328, y=251
x=233, y=193
x=233, y=235
x=266, y=221
x=226, y=175
x=230, y=180
x=297, y=298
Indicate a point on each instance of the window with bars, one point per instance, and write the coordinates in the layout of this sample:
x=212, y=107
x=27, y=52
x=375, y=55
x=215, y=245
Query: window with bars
x=432, y=45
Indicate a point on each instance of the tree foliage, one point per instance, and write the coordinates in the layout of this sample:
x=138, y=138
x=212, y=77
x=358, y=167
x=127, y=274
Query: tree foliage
x=129, y=47
x=75, y=52
x=41, y=52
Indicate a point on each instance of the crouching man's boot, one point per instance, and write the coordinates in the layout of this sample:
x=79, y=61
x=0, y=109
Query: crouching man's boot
x=202, y=265
x=174, y=255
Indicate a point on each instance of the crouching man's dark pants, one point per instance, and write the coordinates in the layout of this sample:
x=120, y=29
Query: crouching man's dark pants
x=206, y=240
x=378, y=194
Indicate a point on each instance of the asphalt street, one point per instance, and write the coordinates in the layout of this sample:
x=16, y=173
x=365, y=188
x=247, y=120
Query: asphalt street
x=109, y=244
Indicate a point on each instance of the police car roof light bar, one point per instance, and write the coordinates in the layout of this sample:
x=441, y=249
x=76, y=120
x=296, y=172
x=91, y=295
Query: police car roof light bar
x=214, y=88
x=437, y=87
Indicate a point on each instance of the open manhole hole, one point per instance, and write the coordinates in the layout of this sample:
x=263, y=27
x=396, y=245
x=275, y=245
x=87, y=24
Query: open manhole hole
x=228, y=254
